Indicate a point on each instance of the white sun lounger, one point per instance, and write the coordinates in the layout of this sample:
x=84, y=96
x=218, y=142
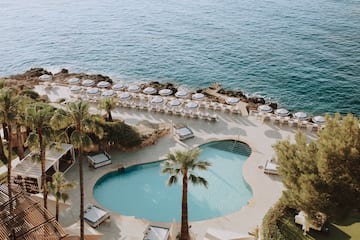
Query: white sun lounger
x=156, y=233
x=94, y=215
x=270, y=167
x=99, y=160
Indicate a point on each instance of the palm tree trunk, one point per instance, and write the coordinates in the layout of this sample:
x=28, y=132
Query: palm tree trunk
x=57, y=209
x=110, y=116
x=81, y=195
x=43, y=171
x=9, y=168
x=184, y=210
x=20, y=142
x=2, y=152
x=6, y=131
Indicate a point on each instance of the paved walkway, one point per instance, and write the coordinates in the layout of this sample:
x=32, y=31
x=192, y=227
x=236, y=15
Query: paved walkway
x=260, y=136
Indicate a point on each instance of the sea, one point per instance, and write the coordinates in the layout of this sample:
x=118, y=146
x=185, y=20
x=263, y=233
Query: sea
x=304, y=55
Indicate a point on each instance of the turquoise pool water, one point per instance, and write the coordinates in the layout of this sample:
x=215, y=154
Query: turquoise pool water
x=141, y=191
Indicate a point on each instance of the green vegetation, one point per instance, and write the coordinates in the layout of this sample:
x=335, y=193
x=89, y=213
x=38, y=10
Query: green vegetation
x=184, y=163
x=108, y=104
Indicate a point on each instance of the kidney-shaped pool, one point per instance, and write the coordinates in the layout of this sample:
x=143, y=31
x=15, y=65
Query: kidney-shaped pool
x=141, y=190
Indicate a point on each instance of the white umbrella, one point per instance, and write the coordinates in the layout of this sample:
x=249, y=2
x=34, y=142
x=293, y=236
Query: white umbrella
x=181, y=93
x=165, y=92
x=88, y=83
x=108, y=93
x=45, y=77
x=149, y=90
x=103, y=84
x=301, y=116
x=198, y=96
x=157, y=100
x=93, y=91
x=175, y=103
x=192, y=105
x=118, y=86
x=282, y=112
x=319, y=119
x=134, y=88
x=73, y=81
x=124, y=96
x=232, y=100
x=75, y=88
x=265, y=108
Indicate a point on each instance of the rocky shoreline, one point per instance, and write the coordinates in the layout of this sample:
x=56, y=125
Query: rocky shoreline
x=30, y=78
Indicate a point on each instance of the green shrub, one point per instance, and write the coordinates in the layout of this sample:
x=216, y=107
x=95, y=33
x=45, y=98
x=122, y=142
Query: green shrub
x=30, y=93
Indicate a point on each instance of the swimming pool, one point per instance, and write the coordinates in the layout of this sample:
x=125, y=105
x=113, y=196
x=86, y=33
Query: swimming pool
x=141, y=190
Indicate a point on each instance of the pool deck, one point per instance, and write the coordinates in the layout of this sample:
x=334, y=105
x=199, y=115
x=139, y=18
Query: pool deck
x=260, y=136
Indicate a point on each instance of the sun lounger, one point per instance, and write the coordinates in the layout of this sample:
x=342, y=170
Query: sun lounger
x=94, y=215
x=183, y=132
x=156, y=233
x=270, y=167
x=99, y=160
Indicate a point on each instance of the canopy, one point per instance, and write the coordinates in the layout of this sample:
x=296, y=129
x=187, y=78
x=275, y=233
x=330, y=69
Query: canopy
x=103, y=84
x=149, y=90
x=157, y=99
x=45, y=77
x=198, y=96
x=213, y=233
x=75, y=89
x=73, y=232
x=124, y=96
x=232, y=100
x=73, y=81
x=265, y=108
x=134, y=88
x=301, y=116
x=118, y=86
x=192, y=105
x=108, y=93
x=28, y=167
x=319, y=119
x=165, y=92
x=88, y=83
x=282, y=112
x=175, y=103
x=93, y=91
x=181, y=93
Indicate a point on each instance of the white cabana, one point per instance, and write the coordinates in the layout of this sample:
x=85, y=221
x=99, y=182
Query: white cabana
x=174, y=103
x=124, y=96
x=88, y=83
x=265, y=108
x=220, y=234
x=181, y=93
x=118, y=86
x=149, y=90
x=134, y=88
x=157, y=100
x=103, y=84
x=282, y=112
x=93, y=91
x=192, y=105
x=29, y=168
x=73, y=81
x=232, y=100
x=198, y=96
x=319, y=120
x=75, y=88
x=73, y=232
x=302, y=116
x=108, y=93
x=45, y=77
x=165, y=92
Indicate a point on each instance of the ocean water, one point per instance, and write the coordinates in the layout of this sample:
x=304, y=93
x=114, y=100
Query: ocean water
x=305, y=55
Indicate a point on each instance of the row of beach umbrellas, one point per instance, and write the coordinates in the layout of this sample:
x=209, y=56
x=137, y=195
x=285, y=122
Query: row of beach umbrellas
x=282, y=112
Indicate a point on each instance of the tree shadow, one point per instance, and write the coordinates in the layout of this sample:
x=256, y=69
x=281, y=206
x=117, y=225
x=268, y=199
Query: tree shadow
x=333, y=233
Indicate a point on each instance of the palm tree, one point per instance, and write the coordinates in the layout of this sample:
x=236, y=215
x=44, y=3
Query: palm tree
x=108, y=104
x=58, y=187
x=79, y=122
x=184, y=163
x=37, y=118
x=8, y=109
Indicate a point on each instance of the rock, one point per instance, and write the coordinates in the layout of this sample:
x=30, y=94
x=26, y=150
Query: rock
x=273, y=105
x=30, y=74
x=256, y=100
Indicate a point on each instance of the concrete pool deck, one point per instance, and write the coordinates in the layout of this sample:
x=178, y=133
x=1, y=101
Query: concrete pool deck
x=260, y=136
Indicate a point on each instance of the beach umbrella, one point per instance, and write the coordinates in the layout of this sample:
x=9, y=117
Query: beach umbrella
x=124, y=96
x=232, y=100
x=165, y=92
x=265, y=108
x=157, y=100
x=181, y=93
x=134, y=88
x=45, y=77
x=93, y=91
x=73, y=81
x=192, y=104
x=301, y=116
x=198, y=96
x=108, y=93
x=319, y=119
x=149, y=90
x=174, y=103
x=103, y=84
x=88, y=83
x=282, y=112
x=118, y=86
x=75, y=89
